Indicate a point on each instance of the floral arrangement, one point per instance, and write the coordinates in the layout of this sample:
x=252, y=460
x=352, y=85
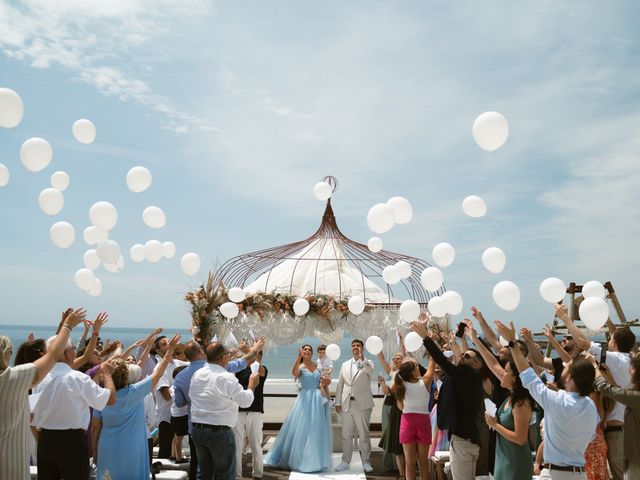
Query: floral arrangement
x=207, y=299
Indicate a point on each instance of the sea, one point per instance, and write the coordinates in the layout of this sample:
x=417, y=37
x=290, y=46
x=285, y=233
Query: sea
x=277, y=358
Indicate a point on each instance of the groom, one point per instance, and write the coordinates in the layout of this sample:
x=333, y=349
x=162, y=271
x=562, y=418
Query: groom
x=355, y=401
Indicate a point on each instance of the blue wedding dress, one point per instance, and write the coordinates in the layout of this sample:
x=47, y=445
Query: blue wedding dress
x=304, y=442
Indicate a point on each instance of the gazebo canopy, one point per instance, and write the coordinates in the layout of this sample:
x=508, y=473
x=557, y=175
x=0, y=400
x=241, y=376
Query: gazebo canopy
x=328, y=263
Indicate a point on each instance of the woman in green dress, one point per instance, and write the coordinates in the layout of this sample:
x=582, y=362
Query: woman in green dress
x=511, y=423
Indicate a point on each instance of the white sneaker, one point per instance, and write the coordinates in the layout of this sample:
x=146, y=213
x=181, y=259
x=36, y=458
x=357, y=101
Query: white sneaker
x=367, y=467
x=342, y=467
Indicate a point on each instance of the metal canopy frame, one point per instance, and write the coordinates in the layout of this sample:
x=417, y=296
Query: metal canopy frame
x=241, y=270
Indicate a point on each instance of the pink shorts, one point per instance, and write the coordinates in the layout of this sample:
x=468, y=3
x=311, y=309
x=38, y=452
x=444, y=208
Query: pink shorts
x=415, y=428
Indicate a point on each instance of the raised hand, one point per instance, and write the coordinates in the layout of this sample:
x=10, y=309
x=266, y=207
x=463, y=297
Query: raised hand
x=74, y=317
x=470, y=330
x=561, y=311
x=174, y=342
x=477, y=314
x=100, y=320
x=420, y=328
x=547, y=331
x=526, y=333
x=31, y=337
x=508, y=333
x=244, y=346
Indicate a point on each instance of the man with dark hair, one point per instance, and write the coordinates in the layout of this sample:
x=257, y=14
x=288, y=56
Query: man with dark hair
x=250, y=420
x=618, y=360
x=355, y=401
x=570, y=416
x=164, y=400
x=462, y=413
x=215, y=396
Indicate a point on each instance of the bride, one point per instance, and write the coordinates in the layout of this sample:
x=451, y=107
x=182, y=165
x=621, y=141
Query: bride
x=304, y=441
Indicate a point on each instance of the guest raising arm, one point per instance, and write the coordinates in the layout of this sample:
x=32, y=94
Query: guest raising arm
x=100, y=320
x=570, y=416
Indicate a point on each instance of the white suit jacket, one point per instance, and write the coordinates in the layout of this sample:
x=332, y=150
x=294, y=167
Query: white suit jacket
x=355, y=382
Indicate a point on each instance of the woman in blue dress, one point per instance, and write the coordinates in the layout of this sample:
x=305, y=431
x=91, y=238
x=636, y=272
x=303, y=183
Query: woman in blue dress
x=304, y=441
x=119, y=431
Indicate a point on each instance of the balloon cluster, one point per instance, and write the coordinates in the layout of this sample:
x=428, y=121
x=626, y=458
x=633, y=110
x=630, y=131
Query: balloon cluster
x=383, y=216
x=36, y=154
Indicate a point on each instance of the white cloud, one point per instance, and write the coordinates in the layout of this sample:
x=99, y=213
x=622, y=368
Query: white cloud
x=103, y=44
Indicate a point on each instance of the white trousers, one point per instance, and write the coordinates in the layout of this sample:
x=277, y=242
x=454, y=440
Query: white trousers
x=356, y=422
x=249, y=426
x=552, y=474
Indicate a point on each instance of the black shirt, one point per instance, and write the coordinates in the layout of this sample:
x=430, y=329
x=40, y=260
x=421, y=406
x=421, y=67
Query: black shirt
x=258, y=393
x=461, y=398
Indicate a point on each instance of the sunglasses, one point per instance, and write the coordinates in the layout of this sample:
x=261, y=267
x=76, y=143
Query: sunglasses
x=468, y=355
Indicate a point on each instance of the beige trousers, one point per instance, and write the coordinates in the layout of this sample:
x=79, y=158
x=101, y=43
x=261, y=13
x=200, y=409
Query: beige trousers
x=463, y=456
x=356, y=422
x=615, y=453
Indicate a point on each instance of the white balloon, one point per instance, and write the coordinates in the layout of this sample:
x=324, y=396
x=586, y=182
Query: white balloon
x=91, y=259
x=412, y=342
x=594, y=312
x=168, y=249
x=4, y=175
x=51, y=201
x=103, y=215
x=490, y=131
x=138, y=179
x=60, y=180
x=552, y=290
x=96, y=289
x=301, y=306
x=404, y=268
x=84, y=131
x=474, y=206
x=153, y=251
x=443, y=254
x=593, y=288
x=236, y=294
x=409, y=311
x=437, y=307
x=62, y=234
x=506, y=295
x=84, y=278
x=322, y=191
x=190, y=263
x=373, y=345
x=115, y=267
x=11, y=108
x=333, y=351
x=356, y=305
x=402, y=209
x=381, y=218
x=431, y=278
x=229, y=310
x=374, y=244
x=94, y=235
x=154, y=217
x=36, y=154
x=137, y=253
x=108, y=251
x=391, y=274
x=494, y=259
x=452, y=302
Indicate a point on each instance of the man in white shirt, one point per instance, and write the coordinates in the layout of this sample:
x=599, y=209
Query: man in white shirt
x=62, y=416
x=355, y=400
x=618, y=360
x=215, y=397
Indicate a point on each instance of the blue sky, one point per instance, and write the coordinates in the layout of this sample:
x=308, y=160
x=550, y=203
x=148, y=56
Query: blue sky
x=238, y=108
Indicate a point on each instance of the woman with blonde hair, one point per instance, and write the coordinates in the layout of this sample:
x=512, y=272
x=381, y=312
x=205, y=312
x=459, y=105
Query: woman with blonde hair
x=119, y=431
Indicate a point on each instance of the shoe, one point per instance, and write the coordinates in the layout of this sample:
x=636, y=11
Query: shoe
x=367, y=467
x=183, y=460
x=342, y=467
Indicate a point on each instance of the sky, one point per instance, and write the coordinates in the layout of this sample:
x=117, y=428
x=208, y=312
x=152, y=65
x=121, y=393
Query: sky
x=239, y=108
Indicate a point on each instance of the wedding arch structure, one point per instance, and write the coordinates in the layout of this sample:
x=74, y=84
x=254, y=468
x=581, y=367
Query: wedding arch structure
x=327, y=268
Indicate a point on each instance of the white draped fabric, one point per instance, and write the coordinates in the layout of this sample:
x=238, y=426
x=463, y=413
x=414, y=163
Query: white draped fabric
x=320, y=267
